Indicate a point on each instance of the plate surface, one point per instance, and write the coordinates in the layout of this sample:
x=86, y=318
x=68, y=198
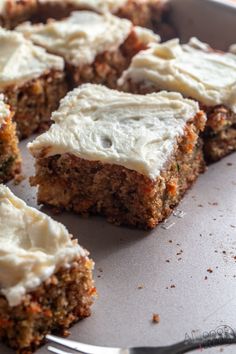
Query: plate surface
x=185, y=269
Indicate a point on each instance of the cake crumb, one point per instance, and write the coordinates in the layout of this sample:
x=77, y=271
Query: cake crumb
x=172, y=286
x=141, y=286
x=209, y=270
x=156, y=318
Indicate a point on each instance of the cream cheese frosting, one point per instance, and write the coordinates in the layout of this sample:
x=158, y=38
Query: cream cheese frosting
x=101, y=6
x=20, y=60
x=192, y=69
x=80, y=37
x=138, y=132
x=4, y=110
x=32, y=247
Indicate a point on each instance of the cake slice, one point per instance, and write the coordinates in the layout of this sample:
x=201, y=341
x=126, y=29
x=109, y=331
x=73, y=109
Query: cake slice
x=10, y=161
x=96, y=48
x=13, y=12
x=32, y=81
x=153, y=14
x=196, y=71
x=127, y=157
x=45, y=278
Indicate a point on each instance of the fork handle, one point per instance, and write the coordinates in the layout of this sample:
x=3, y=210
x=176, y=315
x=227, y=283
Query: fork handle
x=200, y=343
x=188, y=345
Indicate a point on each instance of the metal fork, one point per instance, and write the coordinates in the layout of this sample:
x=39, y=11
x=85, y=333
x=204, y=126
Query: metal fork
x=178, y=348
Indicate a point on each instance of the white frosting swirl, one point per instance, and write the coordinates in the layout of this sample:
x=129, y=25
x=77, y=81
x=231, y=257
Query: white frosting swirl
x=135, y=131
x=32, y=247
x=192, y=69
x=80, y=37
x=20, y=60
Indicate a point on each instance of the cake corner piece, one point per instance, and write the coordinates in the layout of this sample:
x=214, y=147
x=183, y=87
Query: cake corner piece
x=134, y=156
x=46, y=277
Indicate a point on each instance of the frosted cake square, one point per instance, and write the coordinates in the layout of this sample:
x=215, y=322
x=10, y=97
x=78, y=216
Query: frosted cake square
x=45, y=278
x=197, y=71
x=96, y=48
x=127, y=157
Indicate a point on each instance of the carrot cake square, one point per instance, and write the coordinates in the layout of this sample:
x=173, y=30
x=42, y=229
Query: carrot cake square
x=127, y=157
x=153, y=14
x=96, y=48
x=10, y=161
x=196, y=71
x=45, y=279
x=14, y=12
x=32, y=81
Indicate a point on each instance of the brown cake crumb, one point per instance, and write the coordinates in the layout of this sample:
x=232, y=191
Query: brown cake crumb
x=156, y=318
x=209, y=270
x=141, y=286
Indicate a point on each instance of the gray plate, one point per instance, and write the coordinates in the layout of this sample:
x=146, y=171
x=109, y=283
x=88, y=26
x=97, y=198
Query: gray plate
x=171, y=262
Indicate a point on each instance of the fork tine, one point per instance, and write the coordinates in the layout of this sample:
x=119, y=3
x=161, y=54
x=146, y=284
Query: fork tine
x=57, y=351
x=85, y=348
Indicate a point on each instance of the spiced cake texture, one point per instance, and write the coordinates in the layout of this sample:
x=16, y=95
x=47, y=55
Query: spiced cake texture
x=127, y=157
x=197, y=71
x=32, y=81
x=14, y=12
x=10, y=160
x=46, y=277
x=96, y=48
